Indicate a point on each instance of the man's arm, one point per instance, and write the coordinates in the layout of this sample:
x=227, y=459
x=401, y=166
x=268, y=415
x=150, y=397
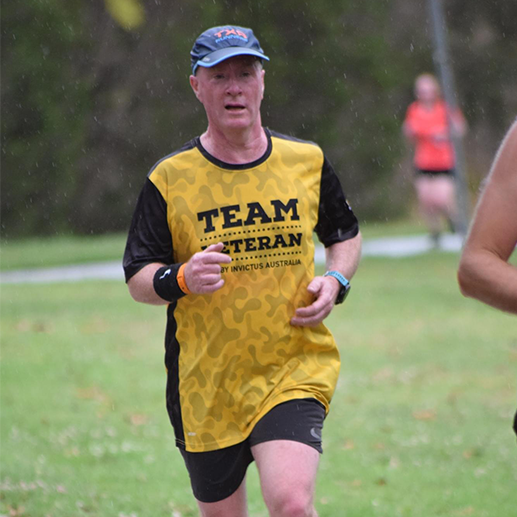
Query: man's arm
x=141, y=285
x=342, y=257
x=484, y=272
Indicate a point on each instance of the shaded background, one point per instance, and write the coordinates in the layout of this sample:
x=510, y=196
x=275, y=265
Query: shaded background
x=95, y=92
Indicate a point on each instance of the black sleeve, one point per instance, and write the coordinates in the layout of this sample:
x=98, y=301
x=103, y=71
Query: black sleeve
x=336, y=221
x=149, y=238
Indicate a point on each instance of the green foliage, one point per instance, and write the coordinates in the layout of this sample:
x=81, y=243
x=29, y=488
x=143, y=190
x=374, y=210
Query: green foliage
x=88, y=106
x=44, y=106
x=419, y=424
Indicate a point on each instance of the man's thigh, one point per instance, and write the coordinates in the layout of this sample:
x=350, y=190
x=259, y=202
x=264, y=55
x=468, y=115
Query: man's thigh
x=234, y=505
x=287, y=472
x=299, y=420
x=286, y=445
x=217, y=475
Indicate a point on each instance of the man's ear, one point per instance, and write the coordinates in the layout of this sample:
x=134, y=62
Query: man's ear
x=194, y=83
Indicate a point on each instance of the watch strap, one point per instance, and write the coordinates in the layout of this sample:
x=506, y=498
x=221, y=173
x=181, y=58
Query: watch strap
x=345, y=286
x=339, y=277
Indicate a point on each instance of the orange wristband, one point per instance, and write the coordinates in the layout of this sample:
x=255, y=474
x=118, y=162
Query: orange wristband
x=181, y=279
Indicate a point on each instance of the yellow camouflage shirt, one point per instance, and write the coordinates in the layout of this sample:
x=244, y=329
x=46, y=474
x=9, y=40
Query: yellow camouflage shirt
x=233, y=355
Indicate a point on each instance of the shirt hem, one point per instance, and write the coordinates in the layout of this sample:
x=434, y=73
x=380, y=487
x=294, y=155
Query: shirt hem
x=294, y=395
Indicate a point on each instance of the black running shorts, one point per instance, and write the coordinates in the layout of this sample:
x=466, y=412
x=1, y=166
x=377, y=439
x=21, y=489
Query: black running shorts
x=216, y=475
x=431, y=173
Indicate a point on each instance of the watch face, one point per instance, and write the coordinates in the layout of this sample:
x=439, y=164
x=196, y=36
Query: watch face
x=343, y=293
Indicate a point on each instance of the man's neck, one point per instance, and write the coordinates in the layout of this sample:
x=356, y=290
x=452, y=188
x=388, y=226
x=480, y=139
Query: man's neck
x=235, y=147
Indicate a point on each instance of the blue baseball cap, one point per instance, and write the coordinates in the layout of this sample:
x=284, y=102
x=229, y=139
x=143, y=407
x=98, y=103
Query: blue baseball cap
x=220, y=43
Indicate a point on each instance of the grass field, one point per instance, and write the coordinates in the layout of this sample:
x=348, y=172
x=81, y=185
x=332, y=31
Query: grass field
x=420, y=423
x=66, y=249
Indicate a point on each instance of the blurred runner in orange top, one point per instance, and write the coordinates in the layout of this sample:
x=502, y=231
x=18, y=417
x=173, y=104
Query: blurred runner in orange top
x=427, y=127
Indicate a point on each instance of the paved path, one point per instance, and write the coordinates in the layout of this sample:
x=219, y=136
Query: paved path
x=394, y=247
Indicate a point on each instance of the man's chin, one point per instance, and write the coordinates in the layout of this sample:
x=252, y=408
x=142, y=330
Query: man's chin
x=236, y=123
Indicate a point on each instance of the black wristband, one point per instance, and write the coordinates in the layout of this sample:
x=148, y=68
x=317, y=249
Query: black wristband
x=165, y=283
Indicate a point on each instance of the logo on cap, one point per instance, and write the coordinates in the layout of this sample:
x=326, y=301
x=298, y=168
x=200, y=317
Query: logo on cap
x=230, y=33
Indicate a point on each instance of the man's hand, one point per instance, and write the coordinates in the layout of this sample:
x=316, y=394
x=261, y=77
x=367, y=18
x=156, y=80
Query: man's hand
x=325, y=290
x=203, y=270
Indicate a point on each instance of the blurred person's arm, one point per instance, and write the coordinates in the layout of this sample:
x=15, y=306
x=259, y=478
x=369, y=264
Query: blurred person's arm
x=459, y=123
x=484, y=272
x=416, y=131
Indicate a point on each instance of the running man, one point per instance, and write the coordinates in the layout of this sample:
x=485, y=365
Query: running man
x=223, y=234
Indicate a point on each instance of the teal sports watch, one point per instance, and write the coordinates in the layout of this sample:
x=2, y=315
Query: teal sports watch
x=345, y=286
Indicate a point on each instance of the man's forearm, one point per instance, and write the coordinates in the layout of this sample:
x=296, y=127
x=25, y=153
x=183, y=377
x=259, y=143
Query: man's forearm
x=344, y=256
x=486, y=277
x=141, y=286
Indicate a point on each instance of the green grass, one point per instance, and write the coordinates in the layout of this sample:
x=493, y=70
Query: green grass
x=62, y=250
x=419, y=425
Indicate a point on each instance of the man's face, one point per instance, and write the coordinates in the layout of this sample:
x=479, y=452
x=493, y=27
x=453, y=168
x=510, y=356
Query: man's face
x=231, y=92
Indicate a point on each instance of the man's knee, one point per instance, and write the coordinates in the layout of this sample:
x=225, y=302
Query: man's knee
x=291, y=503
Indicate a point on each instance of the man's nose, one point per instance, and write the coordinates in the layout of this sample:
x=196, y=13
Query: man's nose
x=233, y=87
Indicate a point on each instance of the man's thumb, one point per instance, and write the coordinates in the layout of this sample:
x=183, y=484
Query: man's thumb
x=315, y=285
x=214, y=247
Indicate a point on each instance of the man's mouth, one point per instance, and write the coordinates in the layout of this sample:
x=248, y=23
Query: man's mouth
x=234, y=107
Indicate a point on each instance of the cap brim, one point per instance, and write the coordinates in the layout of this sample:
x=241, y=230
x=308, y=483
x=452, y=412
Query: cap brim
x=225, y=53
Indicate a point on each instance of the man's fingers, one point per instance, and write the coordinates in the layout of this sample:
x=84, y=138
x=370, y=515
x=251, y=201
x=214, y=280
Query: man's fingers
x=317, y=305
x=310, y=310
x=315, y=285
x=311, y=321
x=203, y=271
x=312, y=315
x=214, y=247
x=210, y=279
x=319, y=309
x=213, y=254
x=207, y=269
x=213, y=257
x=212, y=287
